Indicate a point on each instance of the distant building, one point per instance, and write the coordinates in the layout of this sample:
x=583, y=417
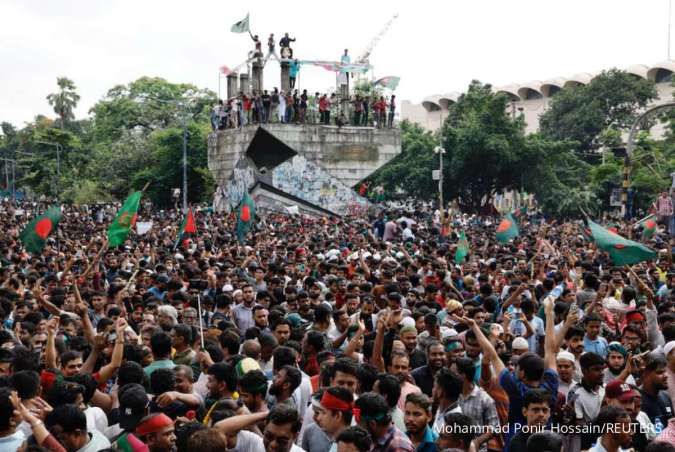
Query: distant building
x=532, y=99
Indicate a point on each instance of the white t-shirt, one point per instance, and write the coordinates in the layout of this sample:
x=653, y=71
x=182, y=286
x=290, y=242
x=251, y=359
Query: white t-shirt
x=96, y=443
x=250, y=442
x=96, y=419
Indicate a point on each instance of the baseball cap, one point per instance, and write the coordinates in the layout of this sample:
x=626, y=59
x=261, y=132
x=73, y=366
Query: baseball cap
x=133, y=401
x=617, y=389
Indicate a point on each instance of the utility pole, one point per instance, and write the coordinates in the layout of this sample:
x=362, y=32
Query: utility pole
x=185, y=188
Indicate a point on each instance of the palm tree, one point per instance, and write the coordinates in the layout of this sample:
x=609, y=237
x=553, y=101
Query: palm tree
x=65, y=101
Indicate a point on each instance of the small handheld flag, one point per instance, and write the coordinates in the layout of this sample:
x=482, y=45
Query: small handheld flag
x=507, y=229
x=462, y=248
x=189, y=226
x=245, y=215
x=124, y=221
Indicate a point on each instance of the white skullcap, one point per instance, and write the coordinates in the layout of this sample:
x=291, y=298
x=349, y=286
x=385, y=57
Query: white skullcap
x=519, y=343
x=228, y=288
x=566, y=356
x=407, y=321
x=668, y=347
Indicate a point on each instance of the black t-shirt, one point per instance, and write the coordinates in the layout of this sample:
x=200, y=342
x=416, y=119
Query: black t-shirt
x=266, y=100
x=303, y=100
x=659, y=406
x=519, y=442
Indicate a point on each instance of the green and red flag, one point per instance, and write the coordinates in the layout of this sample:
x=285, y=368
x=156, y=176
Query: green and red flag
x=245, y=216
x=35, y=234
x=648, y=227
x=124, y=221
x=507, y=229
x=621, y=250
x=462, y=248
x=189, y=226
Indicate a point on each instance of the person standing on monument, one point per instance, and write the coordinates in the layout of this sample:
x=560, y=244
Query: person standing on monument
x=392, y=109
x=266, y=104
x=293, y=72
x=663, y=207
x=282, y=107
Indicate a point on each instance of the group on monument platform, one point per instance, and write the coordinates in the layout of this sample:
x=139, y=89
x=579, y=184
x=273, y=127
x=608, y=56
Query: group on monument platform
x=294, y=107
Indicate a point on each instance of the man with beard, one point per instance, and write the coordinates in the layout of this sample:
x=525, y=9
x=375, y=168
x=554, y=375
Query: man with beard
x=304, y=307
x=252, y=391
x=655, y=401
x=622, y=395
x=242, y=314
x=221, y=384
x=446, y=391
x=476, y=403
x=574, y=339
x=285, y=382
x=401, y=370
x=335, y=414
x=352, y=301
x=586, y=397
x=616, y=363
x=417, y=416
x=631, y=339
x=424, y=376
x=260, y=318
x=279, y=435
x=565, y=365
x=408, y=335
x=374, y=417
x=282, y=331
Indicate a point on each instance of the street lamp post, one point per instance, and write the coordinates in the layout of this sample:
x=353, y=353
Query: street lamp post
x=185, y=198
x=440, y=151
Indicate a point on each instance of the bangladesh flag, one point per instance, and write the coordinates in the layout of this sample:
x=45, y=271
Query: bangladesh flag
x=188, y=227
x=648, y=227
x=37, y=231
x=245, y=215
x=241, y=26
x=507, y=229
x=124, y=221
x=462, y=248
x=621, y=250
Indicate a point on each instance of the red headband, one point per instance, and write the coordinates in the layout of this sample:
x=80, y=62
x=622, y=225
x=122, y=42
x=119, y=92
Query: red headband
x=330, y=402
x=635, y=316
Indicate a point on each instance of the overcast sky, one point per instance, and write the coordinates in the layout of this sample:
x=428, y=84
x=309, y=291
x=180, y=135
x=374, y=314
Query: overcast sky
x=434, y=46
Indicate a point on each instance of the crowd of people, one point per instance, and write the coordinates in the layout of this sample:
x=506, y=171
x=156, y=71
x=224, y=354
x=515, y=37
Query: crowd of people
x=332, y=334
x=294, y=107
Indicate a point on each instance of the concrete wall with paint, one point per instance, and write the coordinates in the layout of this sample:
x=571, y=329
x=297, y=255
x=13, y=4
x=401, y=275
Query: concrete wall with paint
x=306, y=180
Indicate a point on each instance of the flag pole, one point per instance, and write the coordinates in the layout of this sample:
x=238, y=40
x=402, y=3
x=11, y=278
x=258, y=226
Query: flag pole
x=644, y=219
x=201, y=320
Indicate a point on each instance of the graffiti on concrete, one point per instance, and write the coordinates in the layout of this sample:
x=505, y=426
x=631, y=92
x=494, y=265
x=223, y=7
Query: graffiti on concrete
x=306, y=180
x=241, y=181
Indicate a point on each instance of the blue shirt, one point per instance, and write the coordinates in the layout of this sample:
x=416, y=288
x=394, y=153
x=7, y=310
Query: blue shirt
x=428, y=443
x=597, y=346
x=516, y=390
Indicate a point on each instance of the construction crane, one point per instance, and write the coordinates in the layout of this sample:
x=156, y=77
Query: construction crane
x=363, y=59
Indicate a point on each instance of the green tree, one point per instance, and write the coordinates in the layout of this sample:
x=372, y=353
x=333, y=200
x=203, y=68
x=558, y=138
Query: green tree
x=486, y=148
x=65, y=100
x=164, y=168
x=410, y=171
x=124, y=131
x=584, y=114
